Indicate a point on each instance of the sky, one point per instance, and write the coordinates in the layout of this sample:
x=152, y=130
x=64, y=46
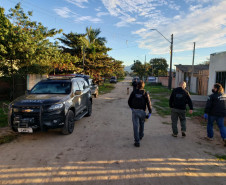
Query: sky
x=128, y=25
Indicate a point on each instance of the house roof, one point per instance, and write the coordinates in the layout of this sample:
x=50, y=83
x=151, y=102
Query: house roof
x=188, y=68
x=217, y=53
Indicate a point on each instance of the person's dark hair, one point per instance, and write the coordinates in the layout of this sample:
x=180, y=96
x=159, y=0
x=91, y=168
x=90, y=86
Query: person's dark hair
x=219, y=88
x=140, y=84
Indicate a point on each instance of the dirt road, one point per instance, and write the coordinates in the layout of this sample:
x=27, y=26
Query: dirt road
x=101, y=151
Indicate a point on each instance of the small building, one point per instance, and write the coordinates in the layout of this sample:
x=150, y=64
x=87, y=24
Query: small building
x=198, y=83
x=217, y=70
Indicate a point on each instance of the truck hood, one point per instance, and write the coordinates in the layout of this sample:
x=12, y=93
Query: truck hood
x=39, y=99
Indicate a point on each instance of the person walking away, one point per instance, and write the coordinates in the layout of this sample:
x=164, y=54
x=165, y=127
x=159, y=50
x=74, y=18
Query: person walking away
x=138, y=101
x=215, y=110
x=177, y=102
x=134, y=84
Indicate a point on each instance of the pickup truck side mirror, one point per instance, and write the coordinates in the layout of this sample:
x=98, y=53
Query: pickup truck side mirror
x=78, y=92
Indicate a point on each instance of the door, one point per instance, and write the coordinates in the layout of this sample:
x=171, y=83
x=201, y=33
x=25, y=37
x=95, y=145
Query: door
x=221, y=78
x=77, y=98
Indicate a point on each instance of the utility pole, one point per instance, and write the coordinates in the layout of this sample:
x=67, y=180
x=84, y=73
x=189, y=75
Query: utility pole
x=171, y=58
x=192, y=70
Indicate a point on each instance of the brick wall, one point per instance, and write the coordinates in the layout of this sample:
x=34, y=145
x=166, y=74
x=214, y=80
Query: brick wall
x=165, y=81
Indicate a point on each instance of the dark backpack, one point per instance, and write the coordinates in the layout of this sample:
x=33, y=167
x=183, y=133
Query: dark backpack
x=139, y=99
x=180, y=98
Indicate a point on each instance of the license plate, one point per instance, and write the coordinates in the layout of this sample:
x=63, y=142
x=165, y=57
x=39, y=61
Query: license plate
x=26, y=130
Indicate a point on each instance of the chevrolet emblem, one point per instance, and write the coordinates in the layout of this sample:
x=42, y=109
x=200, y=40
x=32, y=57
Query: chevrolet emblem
x=27, y=110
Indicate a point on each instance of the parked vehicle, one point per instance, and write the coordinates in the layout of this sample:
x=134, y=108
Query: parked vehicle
x=151, y=79
x=51, y=103
x=113, y=79
x=94, y=88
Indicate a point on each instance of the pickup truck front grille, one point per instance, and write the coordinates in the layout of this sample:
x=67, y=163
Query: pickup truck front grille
x=26, y=116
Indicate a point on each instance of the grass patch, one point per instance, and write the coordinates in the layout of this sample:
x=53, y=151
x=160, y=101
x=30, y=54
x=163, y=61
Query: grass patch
x=3, y=116
x=196, y=112
x=8, y=138
x=160, y=95
x=220, y=157
x=106, y=88
x=120, y=79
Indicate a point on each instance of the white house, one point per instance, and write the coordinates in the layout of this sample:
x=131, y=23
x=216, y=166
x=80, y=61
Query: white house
x=217, y=70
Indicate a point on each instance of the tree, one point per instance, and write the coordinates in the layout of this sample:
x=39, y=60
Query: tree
x=89, y=48
x=207, y=62
x=22, y=41
x=142, y=70
x=158, y=67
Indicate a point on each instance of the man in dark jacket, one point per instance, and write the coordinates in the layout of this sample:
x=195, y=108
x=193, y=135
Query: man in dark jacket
x=138, y=101
x=177, y=102
x=215, y=110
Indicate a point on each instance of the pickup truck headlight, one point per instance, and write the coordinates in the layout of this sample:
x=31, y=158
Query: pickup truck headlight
x=55, y=107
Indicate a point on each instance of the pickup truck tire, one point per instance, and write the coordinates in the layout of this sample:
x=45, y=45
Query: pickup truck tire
x=89, y=107
x=69, y=123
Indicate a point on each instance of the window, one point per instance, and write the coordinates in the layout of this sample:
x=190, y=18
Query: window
x=52, y=88
x=221, y=78
x=86, y=84
x=81, y=85
x=75, y=86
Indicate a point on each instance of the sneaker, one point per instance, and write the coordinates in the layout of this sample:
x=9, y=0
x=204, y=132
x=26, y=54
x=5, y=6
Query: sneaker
x=183, y=134
x=174, y=135
x=137, y=144
x=208, y=138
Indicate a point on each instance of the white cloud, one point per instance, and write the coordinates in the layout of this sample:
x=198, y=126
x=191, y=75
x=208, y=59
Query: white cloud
x=204, y=25
x=63, y=12
x=78, y=3
x=143, y=9
x=67, y=13
x=100, y=14
x=193, y=8
x=87, y=19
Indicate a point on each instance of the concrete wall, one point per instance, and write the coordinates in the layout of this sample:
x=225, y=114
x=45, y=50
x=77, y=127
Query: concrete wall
x=32, y=79
x=217, y=64
x=193, y=85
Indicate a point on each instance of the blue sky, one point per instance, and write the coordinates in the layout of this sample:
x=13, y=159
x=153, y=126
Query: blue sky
x=126, y=25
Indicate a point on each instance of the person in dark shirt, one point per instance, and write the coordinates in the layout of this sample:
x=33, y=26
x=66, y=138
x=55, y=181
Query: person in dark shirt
x=215, y=110
x=177, y=102
x=138, y=101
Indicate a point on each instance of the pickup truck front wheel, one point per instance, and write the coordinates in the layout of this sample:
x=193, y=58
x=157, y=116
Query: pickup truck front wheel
x=69, y=123
x=89, y=108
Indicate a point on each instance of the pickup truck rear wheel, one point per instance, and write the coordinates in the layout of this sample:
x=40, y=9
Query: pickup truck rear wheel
x=69, y=123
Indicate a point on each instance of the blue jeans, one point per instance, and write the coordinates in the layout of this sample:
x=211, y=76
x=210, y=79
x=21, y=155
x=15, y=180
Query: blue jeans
x=220, y=123
x=138, y=118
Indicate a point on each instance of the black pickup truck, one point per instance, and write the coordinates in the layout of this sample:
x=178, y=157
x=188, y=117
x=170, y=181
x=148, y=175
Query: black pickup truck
x=51, y=103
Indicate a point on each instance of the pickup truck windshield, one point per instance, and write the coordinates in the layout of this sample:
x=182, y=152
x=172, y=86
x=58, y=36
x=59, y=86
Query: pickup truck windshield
x=52, y=88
